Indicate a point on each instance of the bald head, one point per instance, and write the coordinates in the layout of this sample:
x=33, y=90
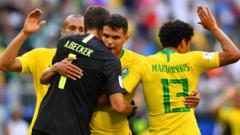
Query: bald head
x=73, y=24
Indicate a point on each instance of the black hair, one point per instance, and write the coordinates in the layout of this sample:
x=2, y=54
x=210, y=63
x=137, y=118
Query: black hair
x=94, y=17
x=116, y=21
x=172, y=33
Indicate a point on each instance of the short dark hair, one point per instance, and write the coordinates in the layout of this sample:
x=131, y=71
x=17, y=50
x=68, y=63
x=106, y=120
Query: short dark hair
x=66, y=20
x=94, y=17
x=116, y=21
x=172, y=33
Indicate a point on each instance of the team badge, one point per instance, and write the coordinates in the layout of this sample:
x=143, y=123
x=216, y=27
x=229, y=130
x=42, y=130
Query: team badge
x=209, y=56
x=124, y=72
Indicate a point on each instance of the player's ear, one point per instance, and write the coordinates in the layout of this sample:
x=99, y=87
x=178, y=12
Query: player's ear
x=126, y=37
x=182, y=46
x=62, y=31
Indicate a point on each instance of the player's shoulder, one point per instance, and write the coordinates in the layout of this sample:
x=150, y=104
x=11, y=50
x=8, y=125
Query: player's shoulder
x=195, y=52
x=73, y=37
x=130, y=56
x=201, y=54
x=153, y=56
x=42, y=51
x=131, y=53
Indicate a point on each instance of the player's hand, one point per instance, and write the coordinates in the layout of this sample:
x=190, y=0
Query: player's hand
x=192, y=100
x=67, y=69
x=208, y=21
x=134, y=110
x=32, y=22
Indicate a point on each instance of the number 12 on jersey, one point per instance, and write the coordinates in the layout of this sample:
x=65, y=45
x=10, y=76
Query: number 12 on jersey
x=166, y=94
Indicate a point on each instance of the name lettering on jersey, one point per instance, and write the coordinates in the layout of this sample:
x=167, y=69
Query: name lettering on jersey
x=170, y=69
x=78, y=48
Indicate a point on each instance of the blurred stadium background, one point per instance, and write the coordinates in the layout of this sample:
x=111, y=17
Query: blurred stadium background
x=144, y=17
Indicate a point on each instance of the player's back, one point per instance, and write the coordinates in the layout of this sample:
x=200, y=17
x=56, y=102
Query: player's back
x=68, y=105
x=167, y=78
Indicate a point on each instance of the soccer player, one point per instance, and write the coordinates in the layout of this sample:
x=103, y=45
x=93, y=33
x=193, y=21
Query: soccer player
x=170, y=75
x=114, y=36
x=68, y=106
x=227, y=115
x=35, y=62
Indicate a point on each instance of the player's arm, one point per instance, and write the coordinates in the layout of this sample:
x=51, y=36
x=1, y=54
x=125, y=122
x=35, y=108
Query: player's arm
x=64, y=68
x=114, y=87
x=120, y=104
x=103, y=100
x=230, y=53
x=133, y=77
x=192, y=100
x=8, y=60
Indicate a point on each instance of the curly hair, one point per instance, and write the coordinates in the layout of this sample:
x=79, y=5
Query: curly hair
x=116, y=21
x=172, y=33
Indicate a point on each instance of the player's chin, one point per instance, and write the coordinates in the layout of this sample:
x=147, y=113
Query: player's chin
x=113, y=50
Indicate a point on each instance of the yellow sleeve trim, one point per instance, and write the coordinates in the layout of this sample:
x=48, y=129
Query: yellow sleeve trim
x=86, y=39
x=63, y=79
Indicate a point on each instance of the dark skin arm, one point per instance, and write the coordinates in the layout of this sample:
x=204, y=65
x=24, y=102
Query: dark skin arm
x=8, y=60
x=64, y=68
x=103, y=100
x=190, y=101
x=120, y=104
x=230, y=53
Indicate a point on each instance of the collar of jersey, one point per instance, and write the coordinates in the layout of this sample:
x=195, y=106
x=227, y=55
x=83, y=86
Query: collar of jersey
x=167, y=51
x=122, y=53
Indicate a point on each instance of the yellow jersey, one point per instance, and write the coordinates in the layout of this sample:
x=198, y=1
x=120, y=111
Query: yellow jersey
x=105, y=121
x=167, y=77
x=229, y=117
x=35, y=62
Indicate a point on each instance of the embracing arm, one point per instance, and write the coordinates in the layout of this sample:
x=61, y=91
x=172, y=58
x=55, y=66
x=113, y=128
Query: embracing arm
x=192, y=100
x=64, y=68
x=230, y=53
x=120, y=104
x=8, y=60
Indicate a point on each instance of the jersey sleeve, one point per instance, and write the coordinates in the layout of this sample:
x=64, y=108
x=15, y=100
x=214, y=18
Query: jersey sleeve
x=205, y=60
x=133, y=76
x=28, y=60
x=112, y=71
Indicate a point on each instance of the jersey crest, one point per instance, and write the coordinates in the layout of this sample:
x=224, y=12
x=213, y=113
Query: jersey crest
x=125, y=72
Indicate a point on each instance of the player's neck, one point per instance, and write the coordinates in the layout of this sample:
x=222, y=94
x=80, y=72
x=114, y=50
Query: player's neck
x=94, y=32
x=119, y=54
x=171, y=48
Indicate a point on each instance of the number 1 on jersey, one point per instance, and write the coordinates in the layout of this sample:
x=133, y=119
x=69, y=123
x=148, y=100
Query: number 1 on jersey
x=63, y=79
